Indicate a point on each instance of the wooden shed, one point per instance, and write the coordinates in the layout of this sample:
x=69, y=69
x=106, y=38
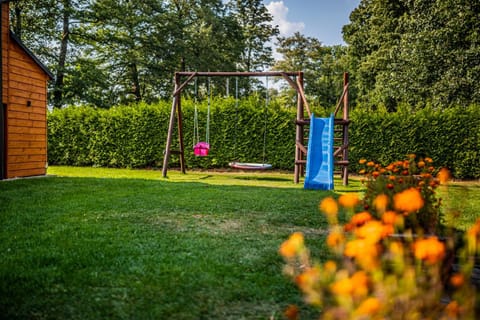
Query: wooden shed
x=23, y=111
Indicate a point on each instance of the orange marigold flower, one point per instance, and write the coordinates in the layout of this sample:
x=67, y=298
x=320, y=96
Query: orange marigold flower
x=390, y=217
x=290, y=247
x=329, y=207
x=443, y=175
x=425, y=175
x=457, y=280
x=362, y=171
x=375, y=174
x=421, y=164
x=370, y=164
x=453, y=309
x=390, y=167
x=430, y=250
x=342, y=287
x=291, y=312
x=381, y=202
x=308, y=279
x=391, y=178
x=396, y=248
x=387, y=230
x=362, y=161
x=335, y=238
x=372, y=231
x=411, y=156
x=409, y=200
x=348, y=200
x=360, y=284
x=428, y=160
x=360, y=247
x=360, y=218
x=330, y=266
x=369, y=307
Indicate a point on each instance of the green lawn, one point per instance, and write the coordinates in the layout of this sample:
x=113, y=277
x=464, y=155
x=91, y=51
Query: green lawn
x=93, y=243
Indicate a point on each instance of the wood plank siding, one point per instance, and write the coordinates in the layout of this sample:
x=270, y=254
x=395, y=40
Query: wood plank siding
x=24, y=93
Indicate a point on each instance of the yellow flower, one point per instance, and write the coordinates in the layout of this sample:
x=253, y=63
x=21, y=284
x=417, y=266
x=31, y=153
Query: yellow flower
x=381, y=202
x=348, y=200
x=430, y=250
x=409, y=200
x=369, y=307
x=293, y=245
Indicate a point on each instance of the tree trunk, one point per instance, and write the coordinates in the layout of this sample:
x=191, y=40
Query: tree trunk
x=136, y=82
x=62, y=57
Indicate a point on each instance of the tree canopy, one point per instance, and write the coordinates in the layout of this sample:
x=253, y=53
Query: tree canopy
x=109, y=52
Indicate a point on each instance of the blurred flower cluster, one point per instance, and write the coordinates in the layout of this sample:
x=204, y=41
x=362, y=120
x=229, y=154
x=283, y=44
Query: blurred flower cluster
x=388, y=261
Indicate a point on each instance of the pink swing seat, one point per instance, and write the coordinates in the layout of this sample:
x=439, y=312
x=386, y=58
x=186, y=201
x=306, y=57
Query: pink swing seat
x=201, y=149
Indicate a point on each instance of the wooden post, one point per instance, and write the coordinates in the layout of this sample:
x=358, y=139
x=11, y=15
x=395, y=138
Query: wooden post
x=345, y=130
x=168, y=145
x=299, y=132
x=180, y=127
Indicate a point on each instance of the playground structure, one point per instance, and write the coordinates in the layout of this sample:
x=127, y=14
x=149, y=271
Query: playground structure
x=337, y=147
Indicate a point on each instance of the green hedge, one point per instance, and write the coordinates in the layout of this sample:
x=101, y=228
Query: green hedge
x=451, y=137
x=134, y=136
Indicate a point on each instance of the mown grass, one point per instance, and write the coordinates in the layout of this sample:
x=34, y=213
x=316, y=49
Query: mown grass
x=128, y=244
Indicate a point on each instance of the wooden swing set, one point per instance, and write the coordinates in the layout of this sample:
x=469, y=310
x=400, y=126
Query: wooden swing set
x=296, y=81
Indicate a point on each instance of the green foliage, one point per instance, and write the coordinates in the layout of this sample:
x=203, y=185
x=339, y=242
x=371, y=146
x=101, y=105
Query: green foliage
x=134, y=136
x=419, y=52
x=450, y=137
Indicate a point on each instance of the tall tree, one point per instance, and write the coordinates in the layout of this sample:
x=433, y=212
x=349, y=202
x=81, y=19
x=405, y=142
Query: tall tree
x=257, y=32
x=323, y=66
x=416, y=52
x=46, y=26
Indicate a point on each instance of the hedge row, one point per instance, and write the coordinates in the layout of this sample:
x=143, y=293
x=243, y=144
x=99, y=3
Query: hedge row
x=451, y=137
x=135, y=136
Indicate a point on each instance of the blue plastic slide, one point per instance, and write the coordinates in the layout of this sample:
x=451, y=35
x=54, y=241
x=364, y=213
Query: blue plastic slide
x=319, y=173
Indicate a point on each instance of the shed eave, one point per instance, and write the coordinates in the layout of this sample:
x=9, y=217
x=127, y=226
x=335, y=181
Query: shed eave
x=30, y=53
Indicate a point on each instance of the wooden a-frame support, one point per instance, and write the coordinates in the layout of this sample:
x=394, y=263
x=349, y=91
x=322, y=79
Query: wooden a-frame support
x=302, y=106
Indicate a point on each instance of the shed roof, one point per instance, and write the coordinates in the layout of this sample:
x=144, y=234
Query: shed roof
x=30, y=53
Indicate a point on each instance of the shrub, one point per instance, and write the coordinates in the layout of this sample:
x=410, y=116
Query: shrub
x=386, y=265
